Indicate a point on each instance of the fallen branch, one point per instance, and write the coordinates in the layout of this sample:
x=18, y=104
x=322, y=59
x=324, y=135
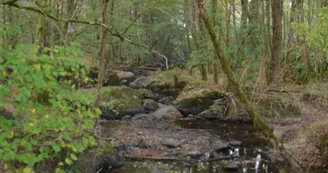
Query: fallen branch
x=145, y=47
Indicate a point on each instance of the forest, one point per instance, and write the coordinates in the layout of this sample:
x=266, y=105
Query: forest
x=148, y=86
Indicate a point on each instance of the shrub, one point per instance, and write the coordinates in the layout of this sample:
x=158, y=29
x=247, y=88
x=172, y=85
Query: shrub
x=48, y=116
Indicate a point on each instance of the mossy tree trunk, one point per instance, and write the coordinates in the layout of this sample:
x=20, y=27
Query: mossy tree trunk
x=101, y=64
x=256, y=119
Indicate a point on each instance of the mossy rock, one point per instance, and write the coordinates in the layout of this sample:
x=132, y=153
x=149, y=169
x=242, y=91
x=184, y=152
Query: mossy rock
x=197, y=100
x=111, y=79
x=118, y=101
x=277, y=105
x=168, y=82
x=105, y=157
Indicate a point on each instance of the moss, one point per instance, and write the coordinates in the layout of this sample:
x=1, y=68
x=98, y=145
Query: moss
x=123, y=96
x=196, y=100
x=120, y=100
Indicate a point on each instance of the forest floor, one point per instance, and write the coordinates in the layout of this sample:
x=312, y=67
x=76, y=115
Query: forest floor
x=304, y=136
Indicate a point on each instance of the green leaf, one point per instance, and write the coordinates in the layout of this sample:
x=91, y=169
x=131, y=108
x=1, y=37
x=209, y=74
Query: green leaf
x=73, y=157
x=55, y=147
x=68, y=161
x=66, y=136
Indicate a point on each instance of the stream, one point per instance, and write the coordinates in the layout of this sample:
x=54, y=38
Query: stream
x=253, y=155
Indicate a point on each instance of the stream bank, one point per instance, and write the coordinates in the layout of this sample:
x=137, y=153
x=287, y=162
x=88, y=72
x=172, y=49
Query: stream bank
x=187, y=124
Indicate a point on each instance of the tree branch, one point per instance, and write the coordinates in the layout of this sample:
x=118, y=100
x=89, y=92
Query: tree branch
x=135, y=20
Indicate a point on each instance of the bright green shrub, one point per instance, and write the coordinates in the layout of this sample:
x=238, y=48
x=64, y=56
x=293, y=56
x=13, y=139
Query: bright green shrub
x=48, y=116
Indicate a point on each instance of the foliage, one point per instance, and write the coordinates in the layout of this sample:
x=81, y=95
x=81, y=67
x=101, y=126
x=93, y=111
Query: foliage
x=317, y=46
x=48, y=116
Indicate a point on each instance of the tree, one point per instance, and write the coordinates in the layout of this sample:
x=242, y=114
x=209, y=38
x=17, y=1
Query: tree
x=256, y=119
x=276, y=8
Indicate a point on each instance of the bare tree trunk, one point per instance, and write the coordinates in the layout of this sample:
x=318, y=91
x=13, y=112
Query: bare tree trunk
x=102, y=52
x=276, y=42
x=187, y=21
x=256, y=119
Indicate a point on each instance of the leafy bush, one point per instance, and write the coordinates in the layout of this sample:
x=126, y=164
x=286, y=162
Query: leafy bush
x=48, y=116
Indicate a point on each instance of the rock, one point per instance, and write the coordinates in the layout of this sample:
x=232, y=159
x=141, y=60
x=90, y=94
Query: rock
x=235, y=143
x=125, y=101
x=124, y=82
x=166, y=112
x=196, y=100
x=170, y=143
x=231, y=166
x=127, y=117
x=150, y=105
x=141, y=82
x=216, y=111
x=220, y=145
x=124, y=75
x=166, y=100
x=111, y=79
x=141, y=116
x=147, y=94
x=92, y=160
x=194, y=154
x=142, y=144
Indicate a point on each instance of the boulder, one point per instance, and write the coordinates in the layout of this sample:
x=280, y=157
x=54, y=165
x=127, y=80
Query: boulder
x=195, y=154
x=141, y=82
x=111, y=79
x=147, y=94
x=166, y=100
x=217, y=111
x=105, y=160
x=196, y=100
x=235, y=143
x=124, y=75
x=166, y=112
x=150, y=105
x=170, y=143
x=124, y=82
x=142, y=144
x=141, y=116
x=118, y=101
x=220, y=145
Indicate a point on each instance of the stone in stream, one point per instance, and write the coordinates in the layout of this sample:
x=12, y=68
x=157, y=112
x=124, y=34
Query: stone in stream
x=125, y=75
x=150, y=105
x=142, y=144
x=141, y=82
x=147, y=94
x=166, y=112
x=232, y=166
x=235, y=143
x=220, y=145
x=166, y=100
x=92, y=161
x=195, y=154
x=124, y=82
x=170, y=143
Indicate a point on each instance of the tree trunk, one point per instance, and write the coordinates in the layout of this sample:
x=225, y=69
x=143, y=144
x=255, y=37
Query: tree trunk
x=276, y=42
x=187, y=21
x=256, y=119
x=102, y=52
x=244, y=12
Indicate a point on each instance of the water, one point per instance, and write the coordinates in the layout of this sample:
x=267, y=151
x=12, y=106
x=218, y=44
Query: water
x=253, y=155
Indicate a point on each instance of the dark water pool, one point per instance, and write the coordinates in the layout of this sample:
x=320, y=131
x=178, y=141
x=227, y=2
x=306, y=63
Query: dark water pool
x=253, y=146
